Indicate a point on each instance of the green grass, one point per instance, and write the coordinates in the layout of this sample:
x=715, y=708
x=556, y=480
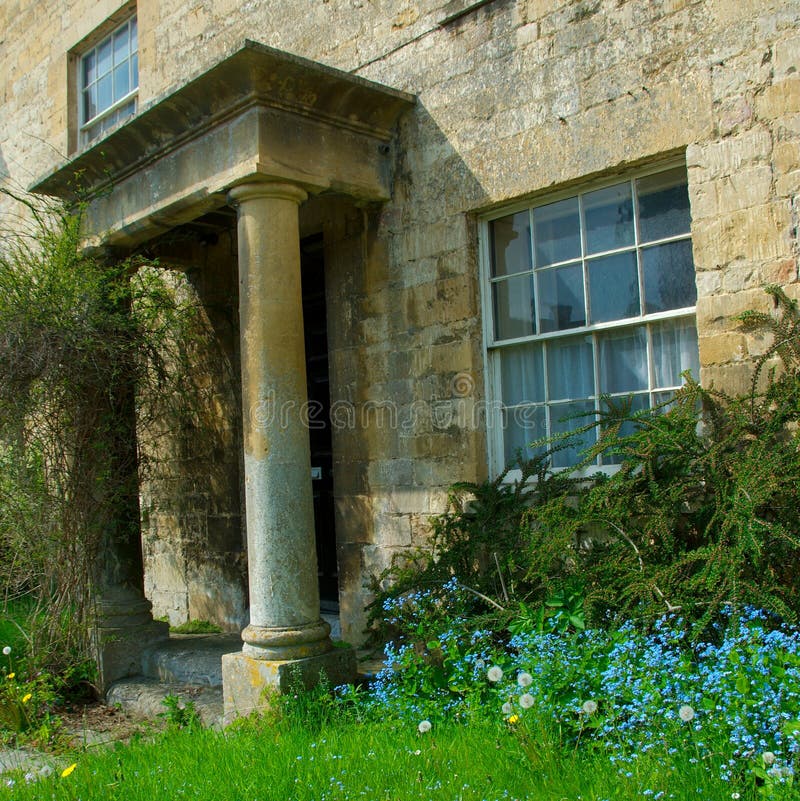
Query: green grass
x=14, y=621
x=374, y=760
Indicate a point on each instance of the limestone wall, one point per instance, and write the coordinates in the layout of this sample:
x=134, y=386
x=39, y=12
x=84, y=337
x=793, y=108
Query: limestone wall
x=193, y=537
x=515, y=98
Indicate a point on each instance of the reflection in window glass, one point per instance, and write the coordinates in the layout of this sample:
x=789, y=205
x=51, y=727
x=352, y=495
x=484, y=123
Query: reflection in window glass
x=522, y=426
x=623, y=360
x=668, y=276
x=511, y=244
x=609, y=218
x=674, y=351
x=566, y=418
x=560, y=293
x=513, y=307
x=613, y=287
x=557, y=232
x=663, y=205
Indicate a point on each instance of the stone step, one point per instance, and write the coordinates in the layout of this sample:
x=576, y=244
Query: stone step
x=189, y=666
x=190, y=659
x=143, y=697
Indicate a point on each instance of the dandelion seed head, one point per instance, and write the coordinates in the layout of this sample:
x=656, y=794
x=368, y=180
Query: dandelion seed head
x=424, y=726
x=495, y=673
x=686, y=713
x=524, y=679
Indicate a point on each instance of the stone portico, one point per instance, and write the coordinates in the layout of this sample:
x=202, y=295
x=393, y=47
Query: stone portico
x=262, y=131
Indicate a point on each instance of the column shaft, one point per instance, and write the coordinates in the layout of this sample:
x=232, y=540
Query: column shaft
x=284, y=598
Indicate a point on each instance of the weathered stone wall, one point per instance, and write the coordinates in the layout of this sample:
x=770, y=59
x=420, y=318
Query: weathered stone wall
x=515, y=98
x=193, y=537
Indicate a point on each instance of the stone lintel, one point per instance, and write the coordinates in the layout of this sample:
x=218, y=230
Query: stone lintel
x=248, y=682
x=259, y=110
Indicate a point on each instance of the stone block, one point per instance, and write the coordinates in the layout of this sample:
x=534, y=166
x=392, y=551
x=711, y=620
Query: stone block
x=756, y=234
x=739, y=276
x=721, y=348
x=248, y=684
x=709, y=282
x=118, y=650
x=734, y=12
x=780, y=272
x=779, y=99
x=726, y=156
x=786, y=156
x=393, y=530
x=786, y=57
x=391, y=473
x=404, y=500
x=735, y=379
x=715, y=313
x=788, y=185
x=355, y=521
x=734, y=115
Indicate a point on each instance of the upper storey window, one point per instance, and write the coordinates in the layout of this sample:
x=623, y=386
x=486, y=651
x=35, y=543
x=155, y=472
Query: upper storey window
x=109, y=81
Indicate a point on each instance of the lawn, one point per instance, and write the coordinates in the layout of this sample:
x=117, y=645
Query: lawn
x=375, y=760
x=617, y=713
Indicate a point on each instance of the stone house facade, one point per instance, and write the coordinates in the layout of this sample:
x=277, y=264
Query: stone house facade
x=490, y=213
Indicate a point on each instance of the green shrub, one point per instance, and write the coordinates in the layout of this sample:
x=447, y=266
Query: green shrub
x=702, y=513
x=90, y=346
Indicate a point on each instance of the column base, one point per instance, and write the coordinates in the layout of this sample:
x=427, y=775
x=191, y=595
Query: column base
x=288, y=642
x=248, y=683
x=118, y=650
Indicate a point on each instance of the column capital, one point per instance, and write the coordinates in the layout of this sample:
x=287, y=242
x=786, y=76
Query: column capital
x=279, y=190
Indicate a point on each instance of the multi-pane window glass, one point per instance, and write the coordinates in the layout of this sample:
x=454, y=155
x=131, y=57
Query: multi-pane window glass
x=591, y=296
x=109, y=79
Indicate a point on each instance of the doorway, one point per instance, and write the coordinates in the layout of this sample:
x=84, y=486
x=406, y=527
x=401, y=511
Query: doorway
x=317, y=375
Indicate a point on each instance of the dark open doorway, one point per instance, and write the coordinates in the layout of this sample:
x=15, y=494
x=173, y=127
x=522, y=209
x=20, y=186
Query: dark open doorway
x=316, y=330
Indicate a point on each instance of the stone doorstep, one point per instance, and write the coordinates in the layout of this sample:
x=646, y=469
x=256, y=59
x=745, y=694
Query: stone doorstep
x=196, y=659
x=143, y=697
x=190, y=659
x=189, y=666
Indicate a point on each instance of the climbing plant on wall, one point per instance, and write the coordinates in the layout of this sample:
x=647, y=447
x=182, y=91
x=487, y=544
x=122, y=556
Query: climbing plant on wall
x=89, y=343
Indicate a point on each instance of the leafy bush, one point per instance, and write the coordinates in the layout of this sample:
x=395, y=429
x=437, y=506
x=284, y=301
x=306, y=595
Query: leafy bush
x=84, y=345
x=701, y=514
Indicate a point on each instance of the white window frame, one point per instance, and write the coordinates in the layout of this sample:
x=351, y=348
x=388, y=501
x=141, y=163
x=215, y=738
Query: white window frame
x=86, y=125
x=492, y=346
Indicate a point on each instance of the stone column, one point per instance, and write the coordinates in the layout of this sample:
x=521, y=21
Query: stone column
x=285, y=627
x=123, y=626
